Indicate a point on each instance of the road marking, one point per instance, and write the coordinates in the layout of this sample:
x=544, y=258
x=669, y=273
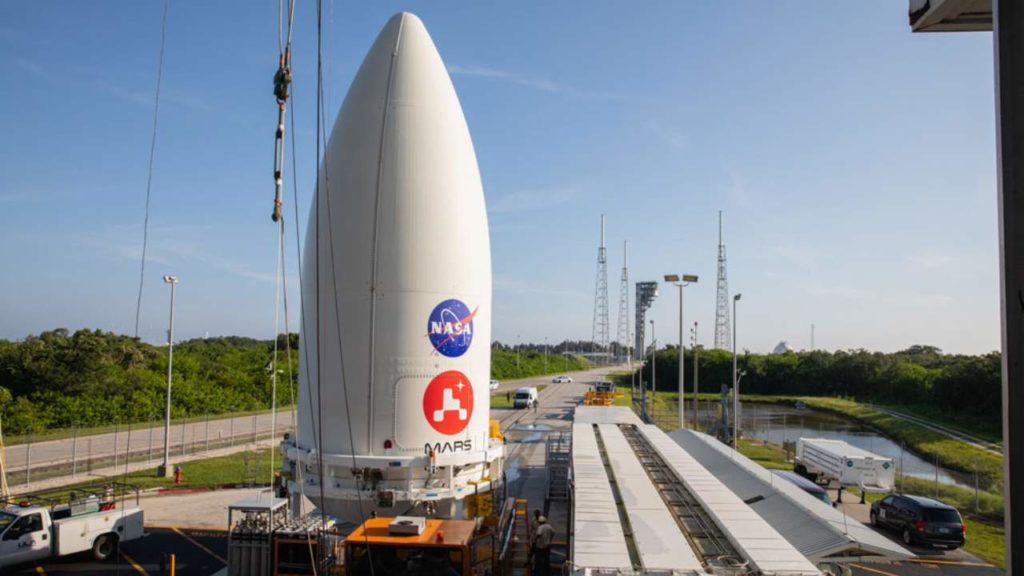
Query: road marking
x=214, y=532
x=950, y=562
x=198, y=545
x=39, y=570
x=876, y=571
x=131, y=561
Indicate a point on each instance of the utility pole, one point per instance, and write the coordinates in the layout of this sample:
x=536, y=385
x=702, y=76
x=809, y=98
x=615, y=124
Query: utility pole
x=165, y=468
x=735, y=381
x=681, y=282
x=654, y=376
x=696, y=421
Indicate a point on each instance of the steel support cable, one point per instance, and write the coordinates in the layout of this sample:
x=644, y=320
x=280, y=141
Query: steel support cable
x=277, y=325
x=321, y=124
x=282, y=84
x=152, y=154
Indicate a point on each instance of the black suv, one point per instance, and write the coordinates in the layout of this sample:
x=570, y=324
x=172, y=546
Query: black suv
x=920, y=519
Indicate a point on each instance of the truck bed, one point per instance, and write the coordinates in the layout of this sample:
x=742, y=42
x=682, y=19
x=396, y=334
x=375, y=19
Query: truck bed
x=77, y=534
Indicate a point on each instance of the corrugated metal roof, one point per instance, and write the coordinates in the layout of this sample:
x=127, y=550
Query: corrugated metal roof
x=605, y=415
x=818, y=531
x=659, y=540
x=598, y=540
x=751, y=535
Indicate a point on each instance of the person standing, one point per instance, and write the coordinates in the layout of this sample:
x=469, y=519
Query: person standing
x=542, y=547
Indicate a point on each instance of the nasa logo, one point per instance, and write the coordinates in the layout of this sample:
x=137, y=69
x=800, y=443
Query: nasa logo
x=448, y=402
x=450, y=328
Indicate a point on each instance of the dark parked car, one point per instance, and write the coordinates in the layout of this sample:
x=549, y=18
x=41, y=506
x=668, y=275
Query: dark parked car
x=805, y=485
x=920, y=520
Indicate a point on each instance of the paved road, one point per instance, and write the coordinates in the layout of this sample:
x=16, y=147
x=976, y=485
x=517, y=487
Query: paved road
x=81, y=455
x=197, y=553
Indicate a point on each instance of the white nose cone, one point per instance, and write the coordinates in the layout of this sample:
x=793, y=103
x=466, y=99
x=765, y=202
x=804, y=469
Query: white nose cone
x=396, y=293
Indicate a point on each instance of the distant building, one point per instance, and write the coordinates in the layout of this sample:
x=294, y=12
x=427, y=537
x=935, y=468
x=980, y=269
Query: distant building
x=782, y=348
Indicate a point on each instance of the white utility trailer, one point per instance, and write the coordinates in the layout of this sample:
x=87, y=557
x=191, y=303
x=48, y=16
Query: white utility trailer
x=826, y=461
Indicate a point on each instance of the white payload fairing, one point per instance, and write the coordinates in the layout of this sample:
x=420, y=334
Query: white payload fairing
x=396, y=315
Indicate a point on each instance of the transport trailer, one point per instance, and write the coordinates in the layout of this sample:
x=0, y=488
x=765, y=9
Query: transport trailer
x=825, y=461
x=91, y=522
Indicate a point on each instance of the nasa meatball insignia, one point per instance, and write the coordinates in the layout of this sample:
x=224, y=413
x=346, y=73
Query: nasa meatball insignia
x=450, y=327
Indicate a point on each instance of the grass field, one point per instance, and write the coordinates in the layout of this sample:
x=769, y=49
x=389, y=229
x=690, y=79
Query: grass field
x=949, y=452
x=234, y=469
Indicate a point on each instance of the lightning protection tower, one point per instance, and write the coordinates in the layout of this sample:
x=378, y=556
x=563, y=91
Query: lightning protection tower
x=622, y=336
x=722, y=341
x=599, y=335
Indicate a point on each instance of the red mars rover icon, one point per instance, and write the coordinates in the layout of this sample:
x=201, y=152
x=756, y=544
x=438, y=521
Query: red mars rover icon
x=448, y=402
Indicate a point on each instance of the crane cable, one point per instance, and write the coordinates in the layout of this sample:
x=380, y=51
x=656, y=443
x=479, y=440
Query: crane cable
x=152, y=154
x=282, y=83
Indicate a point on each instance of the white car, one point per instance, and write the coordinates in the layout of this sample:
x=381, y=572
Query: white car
x=562, y=380
x=494, y=385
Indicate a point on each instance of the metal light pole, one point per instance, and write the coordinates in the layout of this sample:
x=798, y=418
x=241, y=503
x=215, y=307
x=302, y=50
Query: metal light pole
x=681, y=282
x=735, y=380
x=165, y=468
x=654, y=378
x=517, y=351
x=696, y=420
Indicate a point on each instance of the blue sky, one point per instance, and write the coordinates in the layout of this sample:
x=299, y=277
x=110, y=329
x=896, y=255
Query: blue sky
x=855, y=163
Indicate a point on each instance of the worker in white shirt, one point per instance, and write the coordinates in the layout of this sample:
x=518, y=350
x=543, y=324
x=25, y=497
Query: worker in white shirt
x=542, y=547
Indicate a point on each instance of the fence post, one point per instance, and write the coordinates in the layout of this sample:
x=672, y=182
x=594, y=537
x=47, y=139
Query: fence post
x=88, y=460
x=149, y=459
x=183, y=423
x=207, y=432
x=902, y=443
x=231, y=434
x=74, y=450
x=977, y=503
x=127, y=449
x=936, y=475
x=254, y=428
x=117, y=425
x=28, y=457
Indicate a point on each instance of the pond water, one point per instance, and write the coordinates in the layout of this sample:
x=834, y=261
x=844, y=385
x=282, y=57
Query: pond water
x=777, y=424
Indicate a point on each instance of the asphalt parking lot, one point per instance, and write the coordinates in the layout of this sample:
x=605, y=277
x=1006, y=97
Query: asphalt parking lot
x=196, y=553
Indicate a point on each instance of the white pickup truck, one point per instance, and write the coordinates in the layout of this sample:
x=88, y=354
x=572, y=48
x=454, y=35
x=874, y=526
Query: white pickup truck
x=29, y=533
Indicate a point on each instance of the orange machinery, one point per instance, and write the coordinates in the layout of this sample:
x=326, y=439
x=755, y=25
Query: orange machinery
x=415, y=545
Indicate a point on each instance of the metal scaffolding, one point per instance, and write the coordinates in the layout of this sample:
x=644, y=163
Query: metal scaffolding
x=622, y=335
x=600, y=332
x=722, y=340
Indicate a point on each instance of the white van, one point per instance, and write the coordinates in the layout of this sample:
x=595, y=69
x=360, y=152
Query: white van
x=525, y=397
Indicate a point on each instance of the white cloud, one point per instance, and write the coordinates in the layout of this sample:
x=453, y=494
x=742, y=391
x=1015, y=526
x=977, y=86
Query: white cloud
x=674, y=138
x=535, y=82
x=851, y=293
x=934, y=261
x=799, y=254
x=527, y=200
